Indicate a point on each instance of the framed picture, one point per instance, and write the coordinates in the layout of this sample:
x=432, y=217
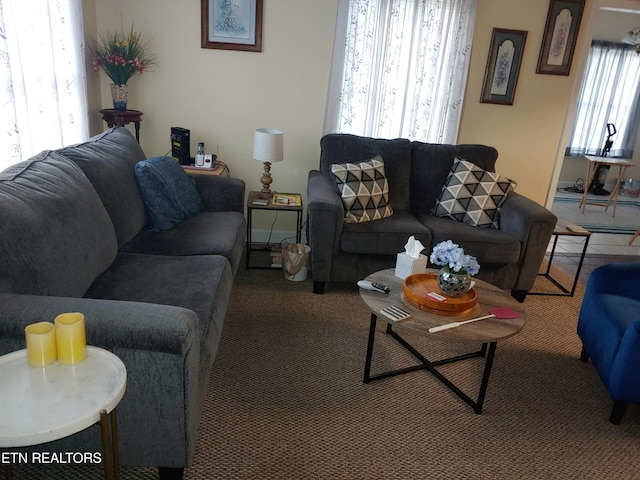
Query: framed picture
x=503, y=66
x=559, y=38
x=232, y=24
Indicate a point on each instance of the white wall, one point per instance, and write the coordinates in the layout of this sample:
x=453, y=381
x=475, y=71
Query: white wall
x=222, y=95
x=528, y=132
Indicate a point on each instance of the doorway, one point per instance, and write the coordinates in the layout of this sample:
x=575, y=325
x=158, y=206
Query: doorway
x=609, y=20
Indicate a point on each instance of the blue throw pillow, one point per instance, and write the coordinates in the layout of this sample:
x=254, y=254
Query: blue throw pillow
x=168, y=193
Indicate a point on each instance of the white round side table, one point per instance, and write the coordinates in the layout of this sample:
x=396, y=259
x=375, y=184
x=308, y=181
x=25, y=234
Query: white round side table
x=42, y=404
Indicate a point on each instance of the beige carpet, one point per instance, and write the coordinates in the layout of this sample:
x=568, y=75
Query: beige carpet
x=286, y=399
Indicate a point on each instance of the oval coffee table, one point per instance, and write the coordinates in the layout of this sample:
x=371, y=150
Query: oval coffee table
x=485, y=332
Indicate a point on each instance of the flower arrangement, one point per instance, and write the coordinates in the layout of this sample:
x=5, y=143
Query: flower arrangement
x=121, y=56
x=451, y=257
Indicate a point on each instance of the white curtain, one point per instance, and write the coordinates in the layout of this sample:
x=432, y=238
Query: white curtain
x=42, y=77
x=399, y=68
x=610, y=93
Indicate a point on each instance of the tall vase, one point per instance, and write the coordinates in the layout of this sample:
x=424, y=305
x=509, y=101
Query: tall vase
x=119, y=94
x=453, y=284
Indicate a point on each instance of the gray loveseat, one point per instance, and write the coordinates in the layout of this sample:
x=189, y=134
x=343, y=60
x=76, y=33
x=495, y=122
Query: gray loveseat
x=74, y=239
x=346, y=252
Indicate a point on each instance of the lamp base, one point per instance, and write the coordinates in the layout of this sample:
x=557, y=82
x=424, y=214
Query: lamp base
x=266, y=181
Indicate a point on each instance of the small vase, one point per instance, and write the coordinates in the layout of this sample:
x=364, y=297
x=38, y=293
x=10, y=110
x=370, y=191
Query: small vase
x=453, y=284
x=119, y=94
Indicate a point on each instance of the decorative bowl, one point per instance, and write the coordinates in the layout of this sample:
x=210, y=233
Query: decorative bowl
x=416, y=287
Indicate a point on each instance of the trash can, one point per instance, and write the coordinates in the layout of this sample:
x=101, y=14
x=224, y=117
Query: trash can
x=295, y=261
x=630, y=188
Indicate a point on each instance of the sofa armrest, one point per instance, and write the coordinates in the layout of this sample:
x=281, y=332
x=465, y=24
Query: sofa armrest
x=159, y=345
x=533, y=225
x=221, y=194
x=325, y=214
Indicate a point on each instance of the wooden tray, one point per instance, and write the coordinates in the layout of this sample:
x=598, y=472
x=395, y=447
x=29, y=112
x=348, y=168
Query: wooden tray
x=416, y=287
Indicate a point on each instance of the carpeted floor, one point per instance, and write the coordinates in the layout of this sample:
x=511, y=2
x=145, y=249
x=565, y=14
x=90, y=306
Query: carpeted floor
x=286, y=400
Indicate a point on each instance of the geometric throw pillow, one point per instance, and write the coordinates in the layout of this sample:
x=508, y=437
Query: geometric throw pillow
x=472, y=195
x=364, y=190
x=168, y=193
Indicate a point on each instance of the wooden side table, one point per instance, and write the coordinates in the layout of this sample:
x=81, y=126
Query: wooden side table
x=42, y=404
x=592, y=170
x=193, y=170
x=120, y=118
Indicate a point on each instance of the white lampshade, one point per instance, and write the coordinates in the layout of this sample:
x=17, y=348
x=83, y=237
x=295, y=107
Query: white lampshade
x=268, y=145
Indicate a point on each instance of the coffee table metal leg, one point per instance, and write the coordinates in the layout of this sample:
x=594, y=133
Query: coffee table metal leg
x=485, y=377
x=372, y=335
x=487, y=350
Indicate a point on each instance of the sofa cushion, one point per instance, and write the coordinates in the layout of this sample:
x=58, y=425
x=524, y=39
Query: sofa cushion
x=56, y=234
x=431, y=164
x=364, y=190
x=472, y=195
x=345, y=148
x=488, y=245
x=169, y=194
x=199, y=283
x=383, y=237
x=206, y=233
x=108, y=161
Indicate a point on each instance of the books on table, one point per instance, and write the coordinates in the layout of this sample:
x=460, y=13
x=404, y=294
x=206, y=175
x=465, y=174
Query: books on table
x=290, y=199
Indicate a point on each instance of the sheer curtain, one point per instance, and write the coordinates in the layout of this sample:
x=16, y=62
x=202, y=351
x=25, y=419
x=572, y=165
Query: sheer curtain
x=399, y=68
x=610, y=93
x=42, y=78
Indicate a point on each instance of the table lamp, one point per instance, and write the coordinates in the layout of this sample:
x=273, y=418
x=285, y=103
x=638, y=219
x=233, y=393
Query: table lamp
x=268, y=147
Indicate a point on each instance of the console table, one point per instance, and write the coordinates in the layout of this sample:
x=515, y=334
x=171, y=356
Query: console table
x=42, y=404
x=120, y=118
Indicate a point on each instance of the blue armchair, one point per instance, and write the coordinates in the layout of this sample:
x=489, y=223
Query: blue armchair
x=609, y=328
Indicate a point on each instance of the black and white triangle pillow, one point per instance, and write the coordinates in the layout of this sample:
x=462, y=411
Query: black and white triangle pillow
x=364, y=190
x=472, y=195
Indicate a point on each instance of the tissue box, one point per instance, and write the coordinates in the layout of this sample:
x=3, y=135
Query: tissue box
x=406, y=265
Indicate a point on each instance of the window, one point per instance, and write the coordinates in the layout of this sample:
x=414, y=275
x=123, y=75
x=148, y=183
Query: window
x=400, y=68
x=609, y=94
x=42, y=78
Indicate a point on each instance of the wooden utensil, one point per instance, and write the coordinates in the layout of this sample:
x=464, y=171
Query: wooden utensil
x=498, y=312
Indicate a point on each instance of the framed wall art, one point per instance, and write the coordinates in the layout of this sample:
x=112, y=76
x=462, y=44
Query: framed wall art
x=559, y=38
x=231, y=24
x=503, y=66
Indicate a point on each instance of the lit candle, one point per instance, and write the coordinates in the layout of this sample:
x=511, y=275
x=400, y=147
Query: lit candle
x=41, y=344
x=70, y=338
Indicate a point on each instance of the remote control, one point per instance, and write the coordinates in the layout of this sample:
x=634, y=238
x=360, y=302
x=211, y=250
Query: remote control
x=376, y=287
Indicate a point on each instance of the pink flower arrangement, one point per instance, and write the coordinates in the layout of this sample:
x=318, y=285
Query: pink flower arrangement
x=121, y=56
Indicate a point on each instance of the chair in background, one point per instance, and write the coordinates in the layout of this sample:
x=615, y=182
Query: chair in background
x=609, y=328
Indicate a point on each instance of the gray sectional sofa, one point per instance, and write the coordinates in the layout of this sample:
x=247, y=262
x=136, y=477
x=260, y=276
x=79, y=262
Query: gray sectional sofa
x=509, y=256
x=74, y=238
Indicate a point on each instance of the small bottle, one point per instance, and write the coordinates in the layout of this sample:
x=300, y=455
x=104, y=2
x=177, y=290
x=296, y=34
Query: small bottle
x=200, y=155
